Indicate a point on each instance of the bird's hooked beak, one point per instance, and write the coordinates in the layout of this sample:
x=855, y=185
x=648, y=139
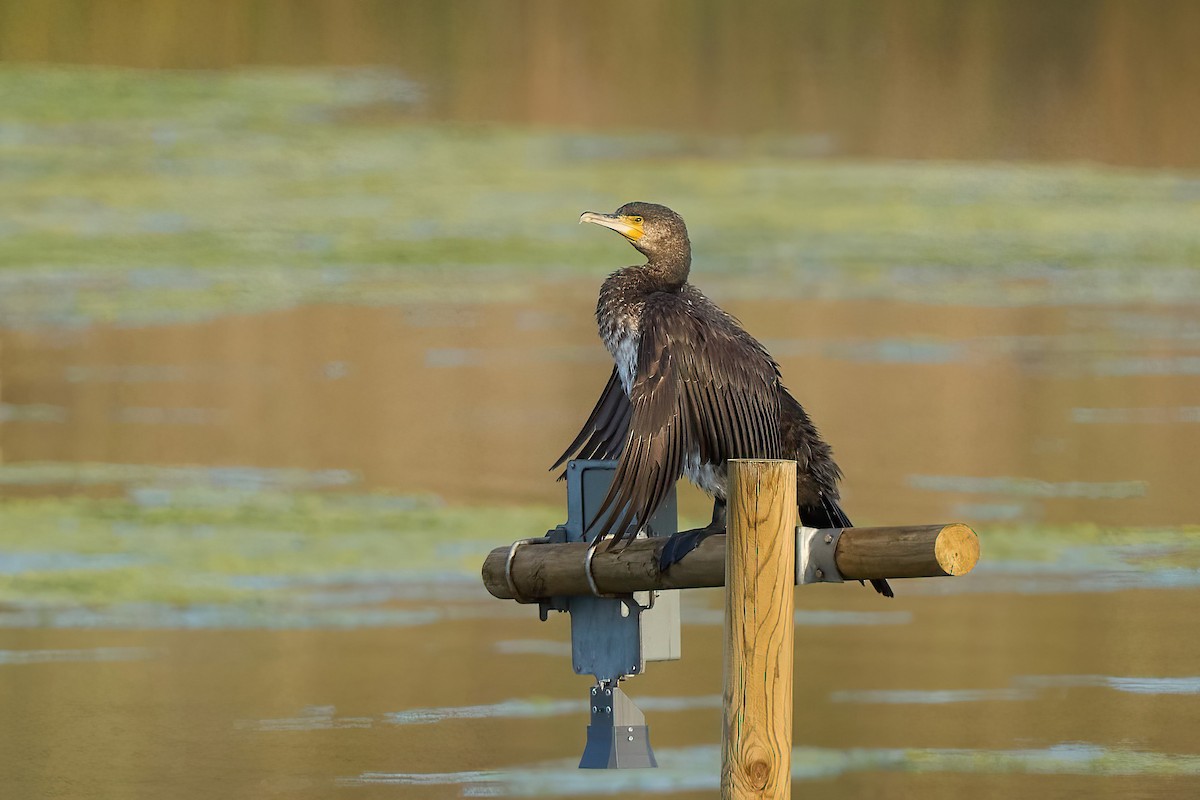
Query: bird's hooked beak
x=629, y=227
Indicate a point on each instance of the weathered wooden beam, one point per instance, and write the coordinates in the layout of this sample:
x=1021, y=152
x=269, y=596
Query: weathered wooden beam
x=912, y=551
x=549, y=570
x=760, y=572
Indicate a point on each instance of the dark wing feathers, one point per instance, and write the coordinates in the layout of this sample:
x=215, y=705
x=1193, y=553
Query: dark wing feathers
x=711, y=390
x=603, y=435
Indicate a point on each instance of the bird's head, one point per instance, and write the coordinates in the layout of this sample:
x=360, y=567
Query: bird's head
x=656, y=231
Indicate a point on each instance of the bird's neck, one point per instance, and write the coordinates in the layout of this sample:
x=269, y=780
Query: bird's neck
x=669, y=269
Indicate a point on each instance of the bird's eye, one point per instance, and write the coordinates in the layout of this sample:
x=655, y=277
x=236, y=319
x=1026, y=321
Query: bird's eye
x=638, y=220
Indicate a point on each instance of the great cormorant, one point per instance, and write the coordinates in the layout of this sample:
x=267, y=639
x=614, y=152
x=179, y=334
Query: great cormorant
x=690, y=389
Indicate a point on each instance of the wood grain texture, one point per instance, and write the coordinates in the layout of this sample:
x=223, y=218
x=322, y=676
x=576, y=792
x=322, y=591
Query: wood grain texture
x=956, y=549
x=913, y=551
x=760, y=573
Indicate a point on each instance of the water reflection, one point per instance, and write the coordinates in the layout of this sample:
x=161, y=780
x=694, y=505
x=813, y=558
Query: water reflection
x=988, y=79
x=698, y=768
x=8, y=657
x=316, y=718
x=541, y=708
x=1135, y=416
x=1024, y=688
x=476, y=412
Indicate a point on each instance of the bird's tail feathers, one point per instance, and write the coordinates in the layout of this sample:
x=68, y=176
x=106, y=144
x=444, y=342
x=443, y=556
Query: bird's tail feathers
x=828, y=514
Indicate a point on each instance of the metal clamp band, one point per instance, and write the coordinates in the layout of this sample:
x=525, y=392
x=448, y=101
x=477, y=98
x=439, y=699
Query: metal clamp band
x=628, y=599
x=591, y=579
x=508, y=567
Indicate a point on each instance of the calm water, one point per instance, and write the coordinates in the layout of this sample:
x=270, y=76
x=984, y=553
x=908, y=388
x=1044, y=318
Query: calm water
x=997, y=694
x=1056, y=413
x=1062, y=667
x=285, y=350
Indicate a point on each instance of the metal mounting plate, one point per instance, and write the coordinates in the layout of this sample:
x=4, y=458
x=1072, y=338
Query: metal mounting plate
x=612, y=638
x=815, y=549
x=617, y=737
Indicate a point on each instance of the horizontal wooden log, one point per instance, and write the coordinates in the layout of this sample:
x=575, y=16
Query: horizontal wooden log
x=913, y=551
x=550, y=570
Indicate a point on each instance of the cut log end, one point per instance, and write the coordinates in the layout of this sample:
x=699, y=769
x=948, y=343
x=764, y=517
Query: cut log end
x=956, y=549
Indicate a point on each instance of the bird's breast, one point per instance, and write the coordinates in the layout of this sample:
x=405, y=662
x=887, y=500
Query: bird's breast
x=620, y=330
x=623, y=346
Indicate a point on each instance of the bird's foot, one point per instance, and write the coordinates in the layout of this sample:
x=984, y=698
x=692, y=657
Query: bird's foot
x=680, y=544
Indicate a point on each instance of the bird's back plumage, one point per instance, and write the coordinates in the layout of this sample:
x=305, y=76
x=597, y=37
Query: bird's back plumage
x=702, y=391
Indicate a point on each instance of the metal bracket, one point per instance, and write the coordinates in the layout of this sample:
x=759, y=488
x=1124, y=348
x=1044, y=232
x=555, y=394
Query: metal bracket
x=547, y=604
x=815, y=549
x=617, y=736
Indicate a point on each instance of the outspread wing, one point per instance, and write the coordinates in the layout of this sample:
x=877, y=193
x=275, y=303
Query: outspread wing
x=603, y=435
x=703, y=389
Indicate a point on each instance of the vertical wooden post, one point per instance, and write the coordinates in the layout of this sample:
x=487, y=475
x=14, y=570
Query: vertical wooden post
x=760, y=574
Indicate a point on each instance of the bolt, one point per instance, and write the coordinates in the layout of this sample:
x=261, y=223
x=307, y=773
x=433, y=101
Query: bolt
x=593, y=690
x=631, y=738
x=608, y=691
x=608, y=709
x=630, y=730
x=594, y=709
x=829, y=538
x=820, y=574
